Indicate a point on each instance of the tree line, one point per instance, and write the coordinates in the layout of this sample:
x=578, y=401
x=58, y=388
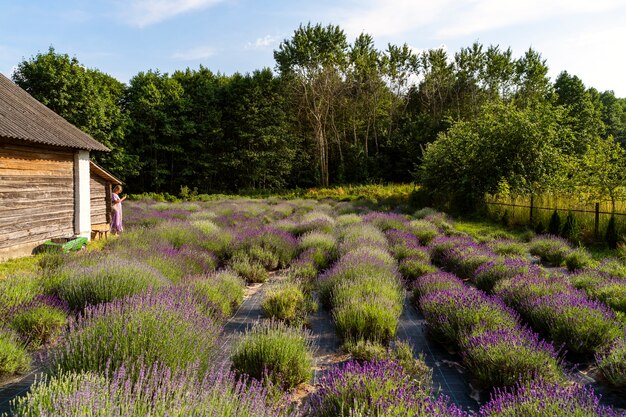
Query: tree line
x=478, y=120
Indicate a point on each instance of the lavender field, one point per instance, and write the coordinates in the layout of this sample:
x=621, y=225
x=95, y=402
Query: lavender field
x=140, y=327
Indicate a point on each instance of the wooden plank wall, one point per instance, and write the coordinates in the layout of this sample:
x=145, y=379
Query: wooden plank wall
x=98, y=199
x=36, y=193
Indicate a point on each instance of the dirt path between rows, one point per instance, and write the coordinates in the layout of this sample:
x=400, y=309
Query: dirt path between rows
x=448, y=376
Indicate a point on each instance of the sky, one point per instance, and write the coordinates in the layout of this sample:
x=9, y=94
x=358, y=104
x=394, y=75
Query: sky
x=587, y=38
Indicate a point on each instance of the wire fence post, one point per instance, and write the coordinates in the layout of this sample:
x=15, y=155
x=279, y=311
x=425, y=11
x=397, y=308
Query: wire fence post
x=596, y=224
x=532, y=204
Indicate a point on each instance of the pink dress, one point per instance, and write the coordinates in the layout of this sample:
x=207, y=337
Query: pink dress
x=116, y=214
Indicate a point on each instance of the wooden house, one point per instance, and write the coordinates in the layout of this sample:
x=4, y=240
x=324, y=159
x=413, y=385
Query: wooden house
x=45, y=175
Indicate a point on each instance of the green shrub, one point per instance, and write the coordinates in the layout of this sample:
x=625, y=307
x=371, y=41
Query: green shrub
x=412, y=268
x=424, y=230
x=284, y=302
x=376, y=321
x=13, y=355
x=366, y=351
x=276, y=352
x=252, y=272
x=570, y=229
x=613, y=267
x=578, y=259
x=18, y=289
x=318, y=240
x=612, y=362
x=550, y=249
x=225, y=289
x=38, y=324
x=507, y=247
x=108, y=280
x=50, y=261
x=554, y=227
x=611, y=235
x=169, y=327
x=260, y=255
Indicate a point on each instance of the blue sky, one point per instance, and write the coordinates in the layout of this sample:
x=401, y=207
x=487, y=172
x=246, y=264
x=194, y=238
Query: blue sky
x=123, y=37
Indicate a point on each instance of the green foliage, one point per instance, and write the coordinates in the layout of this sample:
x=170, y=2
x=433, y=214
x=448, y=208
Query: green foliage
x=284, y=302
x=106, y=281
x=550, y=249
x=276, y=352
x=554, y=227
x=13, y=355
x=517, y=146
x=578, y=259
x=168, y=328
x=251, y=271
x=38, y=325
x=612, y=362
x=225, y=289
x=412, y=268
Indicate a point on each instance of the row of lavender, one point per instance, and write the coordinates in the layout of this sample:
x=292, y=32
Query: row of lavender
x=496, y=347
x=154, y=322
x=550, y=303
x=145, y=315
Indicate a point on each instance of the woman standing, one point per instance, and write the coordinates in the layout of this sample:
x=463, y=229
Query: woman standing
x=116, y=210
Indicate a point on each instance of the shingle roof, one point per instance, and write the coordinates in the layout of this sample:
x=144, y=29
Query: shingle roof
x=23, y=117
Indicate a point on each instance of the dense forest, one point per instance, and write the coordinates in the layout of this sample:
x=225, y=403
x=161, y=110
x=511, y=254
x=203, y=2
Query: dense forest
x=479, y=120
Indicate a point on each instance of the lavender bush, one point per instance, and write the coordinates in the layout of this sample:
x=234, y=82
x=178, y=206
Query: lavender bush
x=602, y=287
x=507, y=247
x=465, y=259
x=550, y=249
x=224, y=290
x=39, y=321
x=169, y=326
x=424, y=230
x=612, y=362
x=374, y=389
x=455, y=313
x=13, y=355
x=506, y=356
x=441, y=244
x=412, y=268
x=108, y=280
x=157, y=391
x=275, y=352
x=490, y=273
x=435, y=281
x=544, y=399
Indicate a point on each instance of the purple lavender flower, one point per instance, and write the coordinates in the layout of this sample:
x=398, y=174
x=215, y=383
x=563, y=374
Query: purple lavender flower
x=544, y=399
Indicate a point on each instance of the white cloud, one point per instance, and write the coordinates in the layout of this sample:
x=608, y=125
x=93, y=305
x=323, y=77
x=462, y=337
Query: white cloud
x=194, y=54
x=454, y=18
x=143, y=13
x=264, y=42
x=593, y=55
x=390, y=18
x=483, y=15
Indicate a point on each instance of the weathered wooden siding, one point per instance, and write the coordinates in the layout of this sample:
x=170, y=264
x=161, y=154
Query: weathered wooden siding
x=36, y=193
x=98, y=200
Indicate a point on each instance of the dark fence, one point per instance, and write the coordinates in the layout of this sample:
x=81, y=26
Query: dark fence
x=531, y=208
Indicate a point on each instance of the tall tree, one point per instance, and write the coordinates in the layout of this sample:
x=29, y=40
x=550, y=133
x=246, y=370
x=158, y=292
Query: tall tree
x=582, y=115
x=315, y=60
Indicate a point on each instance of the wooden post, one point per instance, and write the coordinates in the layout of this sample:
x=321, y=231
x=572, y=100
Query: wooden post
x=596, y=225
x=532, y=204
